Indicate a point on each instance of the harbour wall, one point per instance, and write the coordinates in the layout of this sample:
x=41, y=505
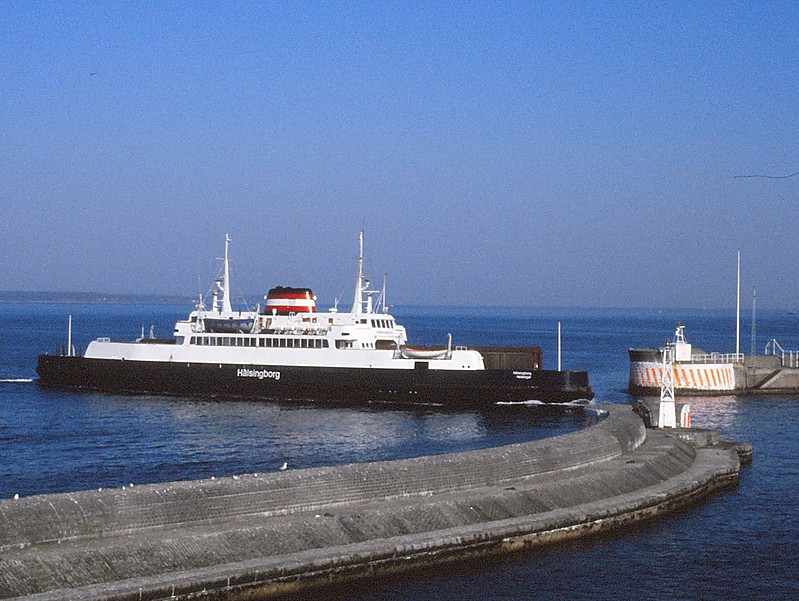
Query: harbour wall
x=260, y=535
x=757, y=374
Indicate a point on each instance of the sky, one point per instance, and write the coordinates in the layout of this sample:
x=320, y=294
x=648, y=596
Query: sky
x=559, y=154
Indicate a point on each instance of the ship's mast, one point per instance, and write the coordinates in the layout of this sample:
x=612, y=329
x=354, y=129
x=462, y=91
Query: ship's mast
x=357, y=305
x=226, y=307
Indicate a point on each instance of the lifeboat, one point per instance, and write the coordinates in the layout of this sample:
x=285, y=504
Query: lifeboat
x=284, y=300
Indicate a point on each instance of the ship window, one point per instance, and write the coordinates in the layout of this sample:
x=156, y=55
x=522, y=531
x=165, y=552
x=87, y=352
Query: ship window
x=325, y=344
x=282, y=343
x=193, y=340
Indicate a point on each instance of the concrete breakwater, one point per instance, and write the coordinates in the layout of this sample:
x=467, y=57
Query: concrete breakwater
x=257, y=535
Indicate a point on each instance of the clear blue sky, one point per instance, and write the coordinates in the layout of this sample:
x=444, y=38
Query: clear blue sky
x=531, y=153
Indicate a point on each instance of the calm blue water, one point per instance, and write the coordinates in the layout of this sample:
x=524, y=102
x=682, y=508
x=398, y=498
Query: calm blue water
x=738, y=545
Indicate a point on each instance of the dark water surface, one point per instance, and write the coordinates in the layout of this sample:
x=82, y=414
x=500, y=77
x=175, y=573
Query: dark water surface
x=740, y=544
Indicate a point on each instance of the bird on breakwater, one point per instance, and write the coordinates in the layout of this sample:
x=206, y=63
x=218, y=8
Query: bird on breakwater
x=284, y=467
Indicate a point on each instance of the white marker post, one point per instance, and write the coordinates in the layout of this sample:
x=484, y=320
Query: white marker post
x=558, y=345
x=668, y=411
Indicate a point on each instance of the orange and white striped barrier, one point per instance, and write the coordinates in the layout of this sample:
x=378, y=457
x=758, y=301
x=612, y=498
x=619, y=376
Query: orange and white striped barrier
x=690, y=376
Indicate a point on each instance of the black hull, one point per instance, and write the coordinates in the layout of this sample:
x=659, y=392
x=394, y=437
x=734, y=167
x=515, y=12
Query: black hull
x=347, y=385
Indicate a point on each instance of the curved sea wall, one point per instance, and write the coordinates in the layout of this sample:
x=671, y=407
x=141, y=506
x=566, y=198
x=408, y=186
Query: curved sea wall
x=257, y=535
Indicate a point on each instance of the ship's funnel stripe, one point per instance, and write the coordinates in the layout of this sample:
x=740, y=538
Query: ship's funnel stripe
x=286, y=295
x=283, y=309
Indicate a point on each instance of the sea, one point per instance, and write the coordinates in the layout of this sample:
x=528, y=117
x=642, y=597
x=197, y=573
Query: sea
x=738, y=544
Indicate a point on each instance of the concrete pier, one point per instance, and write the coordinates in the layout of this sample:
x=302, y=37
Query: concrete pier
x=259, y=535
x=764, y=374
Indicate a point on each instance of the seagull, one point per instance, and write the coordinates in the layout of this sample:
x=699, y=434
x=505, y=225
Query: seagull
x=284, y=467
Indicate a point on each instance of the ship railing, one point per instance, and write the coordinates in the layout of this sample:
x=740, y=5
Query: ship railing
x=787, y=358
x=718, y=358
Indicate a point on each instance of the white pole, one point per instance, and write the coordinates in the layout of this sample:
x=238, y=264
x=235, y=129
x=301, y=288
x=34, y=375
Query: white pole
x=69, y=337
x=738, y=310
x=558, y=345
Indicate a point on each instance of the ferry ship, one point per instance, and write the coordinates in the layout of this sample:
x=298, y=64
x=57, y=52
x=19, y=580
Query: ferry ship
x=290, y=351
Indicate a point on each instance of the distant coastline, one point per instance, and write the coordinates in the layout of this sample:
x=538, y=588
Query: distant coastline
x=11, y=296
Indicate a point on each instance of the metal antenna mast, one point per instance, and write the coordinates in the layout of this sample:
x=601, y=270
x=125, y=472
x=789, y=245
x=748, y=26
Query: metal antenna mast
x=754, y=321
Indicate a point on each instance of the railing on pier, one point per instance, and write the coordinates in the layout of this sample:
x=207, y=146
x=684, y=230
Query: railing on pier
x=788, y=358
x=718, y=358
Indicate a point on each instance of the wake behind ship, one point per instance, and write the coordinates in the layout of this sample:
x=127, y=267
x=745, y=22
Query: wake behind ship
x=289, y=351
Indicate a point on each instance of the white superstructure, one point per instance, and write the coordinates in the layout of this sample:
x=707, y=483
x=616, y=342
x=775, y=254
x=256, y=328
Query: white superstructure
x=290, y=331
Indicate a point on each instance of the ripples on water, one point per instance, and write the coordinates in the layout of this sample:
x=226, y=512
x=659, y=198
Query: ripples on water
x=55, y=442
x=738, y=545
